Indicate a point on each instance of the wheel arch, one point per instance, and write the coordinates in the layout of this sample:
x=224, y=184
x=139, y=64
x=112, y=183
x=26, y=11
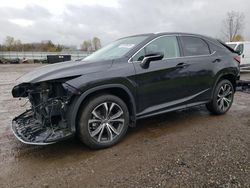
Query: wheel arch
x=118, y=90
x=231, y=78
x=226, y=75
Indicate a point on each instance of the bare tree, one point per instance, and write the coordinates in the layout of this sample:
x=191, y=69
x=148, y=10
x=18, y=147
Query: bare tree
x=233, y=25
x=86, y=46
x=9, y=42
x=96, y=42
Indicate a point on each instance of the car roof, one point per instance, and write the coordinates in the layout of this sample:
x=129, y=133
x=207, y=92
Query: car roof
x=167, y=33
x=214, y=41
x=157, y=34
x=239, y=42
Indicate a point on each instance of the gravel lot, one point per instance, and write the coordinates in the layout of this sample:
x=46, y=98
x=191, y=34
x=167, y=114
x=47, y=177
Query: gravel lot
x=188, y=148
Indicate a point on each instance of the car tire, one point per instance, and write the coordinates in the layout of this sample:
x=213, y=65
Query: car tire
x=222, y=98
x=103, y=121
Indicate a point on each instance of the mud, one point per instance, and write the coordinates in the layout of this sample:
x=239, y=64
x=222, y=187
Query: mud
x=188, y=148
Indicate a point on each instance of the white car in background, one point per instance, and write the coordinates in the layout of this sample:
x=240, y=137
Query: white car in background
x=243, y=48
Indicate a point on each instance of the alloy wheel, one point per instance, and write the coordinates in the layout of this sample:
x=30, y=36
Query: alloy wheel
x=106, y=122
x=225, y=97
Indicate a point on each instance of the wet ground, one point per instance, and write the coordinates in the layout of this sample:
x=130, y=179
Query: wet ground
x=188, y=148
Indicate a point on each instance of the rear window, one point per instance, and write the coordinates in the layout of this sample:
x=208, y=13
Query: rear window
x=193, y=46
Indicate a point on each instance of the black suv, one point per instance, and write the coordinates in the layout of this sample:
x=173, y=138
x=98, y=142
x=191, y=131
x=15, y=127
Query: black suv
x=132, y=78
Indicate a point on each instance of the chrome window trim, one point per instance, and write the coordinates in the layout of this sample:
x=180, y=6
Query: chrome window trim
x=129, y=61
x=180, y=57
x=174, y=35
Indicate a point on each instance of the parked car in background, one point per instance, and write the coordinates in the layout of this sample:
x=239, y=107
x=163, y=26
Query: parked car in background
x=134, y=77
x=243, y=48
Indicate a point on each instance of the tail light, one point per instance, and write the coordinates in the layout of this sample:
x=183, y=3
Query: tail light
x=237, y=58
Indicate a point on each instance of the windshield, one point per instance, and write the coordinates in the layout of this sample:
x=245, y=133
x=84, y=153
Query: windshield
x=232, y=46
x=116, y=49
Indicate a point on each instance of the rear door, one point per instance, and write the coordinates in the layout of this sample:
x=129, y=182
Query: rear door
x=202, y=63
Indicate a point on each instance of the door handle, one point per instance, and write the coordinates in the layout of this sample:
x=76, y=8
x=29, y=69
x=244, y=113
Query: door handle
x=181, y=65
x=216, y=60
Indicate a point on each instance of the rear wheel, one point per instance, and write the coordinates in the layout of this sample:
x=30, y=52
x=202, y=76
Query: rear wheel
x=222, y=98
x=103, y=122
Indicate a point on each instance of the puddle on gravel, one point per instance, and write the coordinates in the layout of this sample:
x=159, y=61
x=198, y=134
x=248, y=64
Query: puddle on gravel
x=169, y=123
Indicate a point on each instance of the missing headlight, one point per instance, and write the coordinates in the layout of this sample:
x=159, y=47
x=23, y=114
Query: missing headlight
x=46, y=121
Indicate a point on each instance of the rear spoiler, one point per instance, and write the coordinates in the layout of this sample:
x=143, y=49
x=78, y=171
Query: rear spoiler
x=227, y=47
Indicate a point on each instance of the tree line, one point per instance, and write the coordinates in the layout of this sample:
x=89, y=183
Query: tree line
x=232, y=28
x=12, y=44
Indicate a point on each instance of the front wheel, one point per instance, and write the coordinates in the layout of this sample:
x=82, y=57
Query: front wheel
x=103, y=121
x=222, y=98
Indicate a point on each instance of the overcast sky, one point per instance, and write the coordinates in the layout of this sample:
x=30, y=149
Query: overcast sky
x=72, y=21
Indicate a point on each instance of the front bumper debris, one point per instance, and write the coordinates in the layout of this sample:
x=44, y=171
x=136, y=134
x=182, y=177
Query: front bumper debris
x=30, y=131
x=243, y=86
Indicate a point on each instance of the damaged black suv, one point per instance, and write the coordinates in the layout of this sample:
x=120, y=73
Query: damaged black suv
x=139, y=76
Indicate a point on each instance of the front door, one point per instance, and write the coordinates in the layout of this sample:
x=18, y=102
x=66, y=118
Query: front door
x=162, y=84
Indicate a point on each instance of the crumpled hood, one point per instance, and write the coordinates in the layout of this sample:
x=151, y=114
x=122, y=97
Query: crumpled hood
x=63, y=70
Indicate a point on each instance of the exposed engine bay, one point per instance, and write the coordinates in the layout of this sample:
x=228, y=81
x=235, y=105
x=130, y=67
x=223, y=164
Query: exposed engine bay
x=46, y=121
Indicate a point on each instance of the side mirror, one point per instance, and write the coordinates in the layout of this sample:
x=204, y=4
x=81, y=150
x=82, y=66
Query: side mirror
x=151, y=57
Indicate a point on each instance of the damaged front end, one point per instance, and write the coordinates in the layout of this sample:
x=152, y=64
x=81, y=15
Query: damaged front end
x=47, y=120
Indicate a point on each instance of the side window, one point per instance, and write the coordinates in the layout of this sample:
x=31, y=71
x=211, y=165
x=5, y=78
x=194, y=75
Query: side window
x=193, y=46
x=240, y=48
x=167, y=45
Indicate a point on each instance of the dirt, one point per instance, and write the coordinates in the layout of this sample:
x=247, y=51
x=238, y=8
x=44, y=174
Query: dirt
x=187, y=148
